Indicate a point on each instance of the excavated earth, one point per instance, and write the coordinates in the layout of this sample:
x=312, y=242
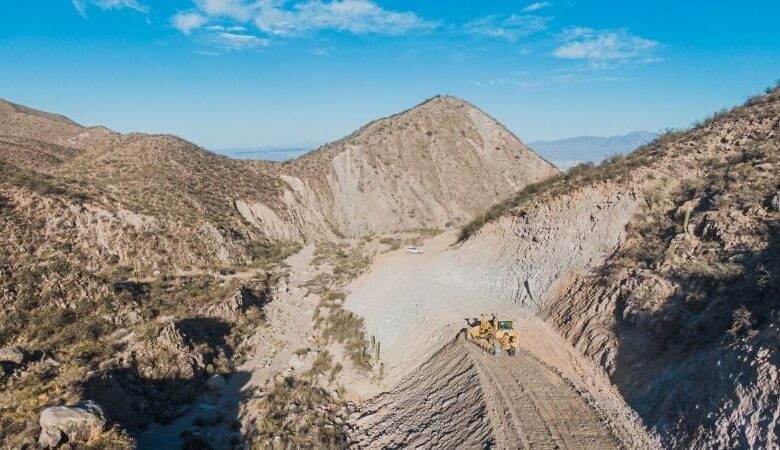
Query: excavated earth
x=442, y=391
x=464, y=397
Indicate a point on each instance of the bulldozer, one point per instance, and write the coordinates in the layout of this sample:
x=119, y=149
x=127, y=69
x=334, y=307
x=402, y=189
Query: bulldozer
x=494, y=335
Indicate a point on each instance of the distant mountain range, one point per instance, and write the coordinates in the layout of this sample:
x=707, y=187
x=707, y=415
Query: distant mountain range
x=566, y=153
x=266, y=153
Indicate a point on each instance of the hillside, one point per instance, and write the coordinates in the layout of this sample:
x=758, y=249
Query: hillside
x=133, y=266
x=432, y=166
x=663, y=268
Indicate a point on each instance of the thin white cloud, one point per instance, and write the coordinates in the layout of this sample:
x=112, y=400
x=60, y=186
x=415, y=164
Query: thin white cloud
x=321, y=51
x=605, y=46
x=81, y=5
x=353, y=16
x=510, y=28
x=233, y=28
x=526, y=80
x=187, y=22
x=536, y=6
x=225, y=22
x=239, y=10
x=235, y=41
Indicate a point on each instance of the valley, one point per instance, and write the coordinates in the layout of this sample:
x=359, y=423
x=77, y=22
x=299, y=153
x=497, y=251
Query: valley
x=161, y=296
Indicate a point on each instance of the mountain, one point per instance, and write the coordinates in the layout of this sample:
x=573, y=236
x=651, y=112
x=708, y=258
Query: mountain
x=268, y=154
x=432, y=166
x=663, y=267
x=134, y=266
x=567, y=153
x=429, y=167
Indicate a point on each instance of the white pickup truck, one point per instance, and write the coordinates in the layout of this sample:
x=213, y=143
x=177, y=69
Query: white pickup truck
x=414, y=250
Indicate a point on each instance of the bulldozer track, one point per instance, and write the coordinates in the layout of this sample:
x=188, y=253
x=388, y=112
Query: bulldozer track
x=544, y=411
x=464, y=397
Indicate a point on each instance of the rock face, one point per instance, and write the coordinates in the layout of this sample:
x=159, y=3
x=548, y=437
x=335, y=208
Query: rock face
x=233, y=308
x=79, y=423
x=13, y=355
x=526, y=259
x=663, y=268
x=774, y=203
x=437, y=164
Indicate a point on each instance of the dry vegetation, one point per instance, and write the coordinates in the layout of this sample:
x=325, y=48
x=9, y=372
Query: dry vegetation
x=684, y=315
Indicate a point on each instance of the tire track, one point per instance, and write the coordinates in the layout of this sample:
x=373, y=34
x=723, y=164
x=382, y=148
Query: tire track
x=552, y=415
x=464, y=397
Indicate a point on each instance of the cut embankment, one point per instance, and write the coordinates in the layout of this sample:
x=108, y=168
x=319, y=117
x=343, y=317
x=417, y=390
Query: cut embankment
x=440, y=405
x=465, y=398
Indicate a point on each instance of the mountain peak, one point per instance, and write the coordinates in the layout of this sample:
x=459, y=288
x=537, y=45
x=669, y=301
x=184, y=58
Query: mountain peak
x=7, y=107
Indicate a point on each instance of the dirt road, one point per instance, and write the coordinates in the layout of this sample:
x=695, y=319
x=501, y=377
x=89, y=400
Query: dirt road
x=543, y=411
x=450, y=394
x=464, y=397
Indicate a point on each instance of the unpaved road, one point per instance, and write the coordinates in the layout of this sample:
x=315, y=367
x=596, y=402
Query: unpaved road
x=450, y=394
x=542, y=410
x=465, y=397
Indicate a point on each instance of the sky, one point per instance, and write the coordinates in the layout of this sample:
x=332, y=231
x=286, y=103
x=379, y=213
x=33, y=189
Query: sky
x=298, y=73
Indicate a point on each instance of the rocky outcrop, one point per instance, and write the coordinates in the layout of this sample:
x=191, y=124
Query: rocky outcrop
x=663, y=268
x=234, y=307
x=78, y=423
x=12, y=355
x=529, y=258
x=216, y=383
x=170, y=355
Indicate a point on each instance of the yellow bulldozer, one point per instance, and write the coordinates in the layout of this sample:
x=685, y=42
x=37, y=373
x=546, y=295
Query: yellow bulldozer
x=494, y=335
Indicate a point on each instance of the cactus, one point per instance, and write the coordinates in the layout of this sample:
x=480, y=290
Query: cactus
x=373, y=342
x=686, y=220
x=381, y=370
x=378, y=346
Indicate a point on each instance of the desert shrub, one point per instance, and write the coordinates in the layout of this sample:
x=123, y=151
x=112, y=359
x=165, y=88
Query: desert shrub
x=298, y=414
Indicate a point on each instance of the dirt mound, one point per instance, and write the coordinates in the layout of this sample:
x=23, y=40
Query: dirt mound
x=440, y=405
x=464, y=397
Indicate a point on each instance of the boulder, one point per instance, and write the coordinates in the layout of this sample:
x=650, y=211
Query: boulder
x=774, y=202
x=82, y=422
x=13, y=355
x=232, y=308
x=216, y=383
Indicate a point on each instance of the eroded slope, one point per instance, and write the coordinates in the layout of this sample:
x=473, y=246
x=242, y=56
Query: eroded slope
x=662, y=267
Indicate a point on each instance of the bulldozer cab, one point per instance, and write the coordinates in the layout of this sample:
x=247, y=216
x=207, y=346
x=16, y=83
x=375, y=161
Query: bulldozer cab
x=505, y=325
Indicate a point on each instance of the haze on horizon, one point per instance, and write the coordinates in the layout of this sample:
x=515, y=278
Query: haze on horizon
x=291, y=74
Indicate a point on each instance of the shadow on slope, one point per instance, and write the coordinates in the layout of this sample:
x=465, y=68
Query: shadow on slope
x=165, y=394
x=698, y=345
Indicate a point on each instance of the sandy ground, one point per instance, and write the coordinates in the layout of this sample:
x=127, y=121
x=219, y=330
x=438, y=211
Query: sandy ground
x=414, y=315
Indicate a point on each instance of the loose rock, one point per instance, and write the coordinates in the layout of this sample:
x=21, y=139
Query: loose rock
x=216, y=383
x=12, y=354
x=79, y=423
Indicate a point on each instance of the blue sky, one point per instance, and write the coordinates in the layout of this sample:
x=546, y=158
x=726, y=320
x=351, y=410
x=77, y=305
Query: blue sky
x=248, y=73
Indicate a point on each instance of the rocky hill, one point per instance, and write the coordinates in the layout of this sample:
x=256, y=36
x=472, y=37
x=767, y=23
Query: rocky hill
x=663, y=268
x=133, y=266
x=432, y=166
